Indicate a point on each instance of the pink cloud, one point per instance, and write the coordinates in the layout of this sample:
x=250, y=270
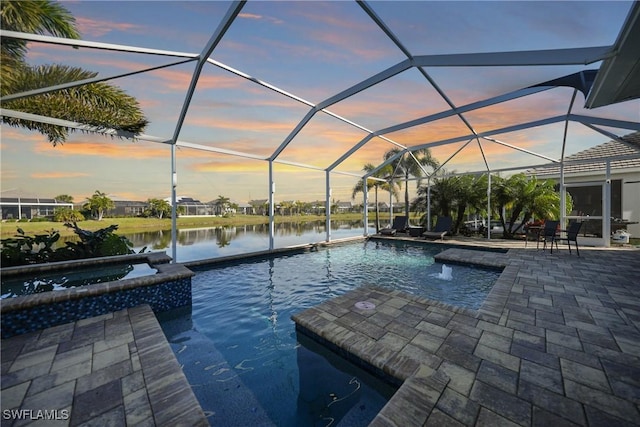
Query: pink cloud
x=95, y=28
x=259, y=17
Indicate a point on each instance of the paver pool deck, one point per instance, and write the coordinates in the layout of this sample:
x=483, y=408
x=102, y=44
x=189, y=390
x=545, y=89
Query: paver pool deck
x=111, y=370
x=556, y=343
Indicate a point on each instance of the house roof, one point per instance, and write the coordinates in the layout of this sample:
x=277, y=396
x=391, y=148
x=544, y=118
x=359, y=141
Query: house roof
x=627, y=151
x=619, y=76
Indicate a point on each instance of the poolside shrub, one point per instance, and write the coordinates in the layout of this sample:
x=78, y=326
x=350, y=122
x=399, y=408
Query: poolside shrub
x=23, y=249
x=92, y=244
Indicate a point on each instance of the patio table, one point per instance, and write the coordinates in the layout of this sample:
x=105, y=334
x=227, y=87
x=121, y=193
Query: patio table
x=534, y=231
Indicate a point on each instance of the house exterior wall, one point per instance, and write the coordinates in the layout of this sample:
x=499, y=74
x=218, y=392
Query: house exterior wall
x=630, y=192
x=15, y=208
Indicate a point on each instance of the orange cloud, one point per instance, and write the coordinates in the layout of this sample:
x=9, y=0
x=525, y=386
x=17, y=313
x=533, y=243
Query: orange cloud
x=11, y=135
x=9, y=173
x=110, y=148
x=239, y=165
x=179, y=79
x=57, y=175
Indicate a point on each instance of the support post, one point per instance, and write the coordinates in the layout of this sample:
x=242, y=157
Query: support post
x=365, y=192
x=391, y=204
x=606, y=217
x=174, y=207
x=272, y=190
x=328, y=206
x=429, y=204
x=563, y=197
x=489, y=205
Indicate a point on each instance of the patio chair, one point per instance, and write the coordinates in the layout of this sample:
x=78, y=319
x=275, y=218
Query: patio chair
x=443, y=226
x=400, y=223
x=549, y=234
x=572, y=236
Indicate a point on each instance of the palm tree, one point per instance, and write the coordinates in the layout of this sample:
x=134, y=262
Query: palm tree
x=385, y=186
x=65, y=198
x=222, y=204
x=159, y=208
x=520, y=197
x=287, y=206
x=100, y=105
x=98, y=204
x=442, y=202
x=410, y=165
x=455, y=196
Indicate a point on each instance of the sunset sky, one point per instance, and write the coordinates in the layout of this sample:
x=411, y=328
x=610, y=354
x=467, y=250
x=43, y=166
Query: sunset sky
x=312, y=50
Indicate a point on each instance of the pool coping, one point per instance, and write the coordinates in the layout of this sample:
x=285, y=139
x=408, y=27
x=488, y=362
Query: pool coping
x=258, y=255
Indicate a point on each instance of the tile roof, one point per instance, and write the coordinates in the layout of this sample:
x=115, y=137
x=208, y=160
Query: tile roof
x=599, y=153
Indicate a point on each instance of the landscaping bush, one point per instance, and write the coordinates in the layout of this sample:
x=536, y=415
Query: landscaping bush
x=23, y=249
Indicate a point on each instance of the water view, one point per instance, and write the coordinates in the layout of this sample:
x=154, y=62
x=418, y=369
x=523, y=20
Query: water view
x=213, y=242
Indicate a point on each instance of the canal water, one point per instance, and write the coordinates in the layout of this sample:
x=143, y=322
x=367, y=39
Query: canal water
x=212, y=242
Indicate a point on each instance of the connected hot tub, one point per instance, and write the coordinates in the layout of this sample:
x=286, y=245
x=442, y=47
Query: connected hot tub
x=101, y=285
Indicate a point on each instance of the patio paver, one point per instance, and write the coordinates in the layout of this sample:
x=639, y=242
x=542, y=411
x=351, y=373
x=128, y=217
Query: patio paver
x=557, y=342
x=114, y=369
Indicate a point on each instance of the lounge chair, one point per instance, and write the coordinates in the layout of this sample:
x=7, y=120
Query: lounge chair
x=550, y=234
x=443, y=226
x=400, y=223
x=572, y=236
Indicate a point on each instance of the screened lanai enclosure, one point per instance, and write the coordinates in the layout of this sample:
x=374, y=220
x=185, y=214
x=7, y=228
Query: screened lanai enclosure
x=290, y=100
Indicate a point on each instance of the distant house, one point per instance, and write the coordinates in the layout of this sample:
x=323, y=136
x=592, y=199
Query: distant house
x=24, y=206
x=585, y=179
x=127, y=208
x=244, y=208
x=230, y=208
x=344, y=207
x=259, y=207
x=194, y=207
x=382, y=207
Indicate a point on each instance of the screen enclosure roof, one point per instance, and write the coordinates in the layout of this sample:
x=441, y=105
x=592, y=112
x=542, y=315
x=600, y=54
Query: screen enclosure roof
x=331, y=86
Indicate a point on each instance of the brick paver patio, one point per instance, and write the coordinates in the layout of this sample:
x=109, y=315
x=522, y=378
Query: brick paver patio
x=556, y=343
x=116, y=369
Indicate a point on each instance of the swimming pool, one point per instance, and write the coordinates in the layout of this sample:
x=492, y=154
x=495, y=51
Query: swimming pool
x=241, y=353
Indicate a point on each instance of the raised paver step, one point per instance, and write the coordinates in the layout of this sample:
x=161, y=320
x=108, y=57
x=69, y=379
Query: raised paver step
x=473, y=257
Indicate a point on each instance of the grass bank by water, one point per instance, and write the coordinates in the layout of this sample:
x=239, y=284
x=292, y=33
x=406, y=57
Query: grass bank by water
x=132, y=225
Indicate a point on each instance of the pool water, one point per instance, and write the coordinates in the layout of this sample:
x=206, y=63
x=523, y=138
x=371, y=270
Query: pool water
x=244, y=359
x=60, y=280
